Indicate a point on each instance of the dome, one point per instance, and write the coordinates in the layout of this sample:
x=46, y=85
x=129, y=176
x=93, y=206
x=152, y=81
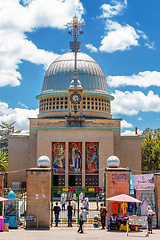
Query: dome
x=60, y=74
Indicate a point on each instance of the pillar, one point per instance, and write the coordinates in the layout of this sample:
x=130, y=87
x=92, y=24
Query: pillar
x=1, y=191
x=1, y=184
x=117, y=182
x=157, y=196
x=39, y=197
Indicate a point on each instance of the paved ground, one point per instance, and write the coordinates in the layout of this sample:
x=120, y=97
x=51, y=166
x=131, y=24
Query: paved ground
x=71, y=234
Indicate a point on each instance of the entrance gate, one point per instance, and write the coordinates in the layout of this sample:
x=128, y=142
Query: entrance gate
x=77, y=193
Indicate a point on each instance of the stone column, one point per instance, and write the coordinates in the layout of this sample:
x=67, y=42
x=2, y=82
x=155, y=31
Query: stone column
x=117, y=182
x=83, y=164
x=1, y=191
x=157, y=196
x=39, y=197
x=1, y=184
x=66, y=163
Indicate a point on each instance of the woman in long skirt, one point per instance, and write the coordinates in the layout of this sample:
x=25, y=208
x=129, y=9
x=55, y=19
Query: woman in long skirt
x=150, y=215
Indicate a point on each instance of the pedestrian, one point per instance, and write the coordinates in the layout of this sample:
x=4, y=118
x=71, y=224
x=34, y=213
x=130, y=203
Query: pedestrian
x=81, y=197
x=82, y=217
x=85, y=203
x=73, y=203
x=56, y=210
x=103, y=212
x=63, y=200
x=69, y=208
x=63, y=204
x=97, y=200
x=150, y=215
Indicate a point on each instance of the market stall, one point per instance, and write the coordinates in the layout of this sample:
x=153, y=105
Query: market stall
x=122, y=203
x=11, y=210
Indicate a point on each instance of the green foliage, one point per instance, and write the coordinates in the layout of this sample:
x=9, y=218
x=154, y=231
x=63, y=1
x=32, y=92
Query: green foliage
x=5, y=130
x=3, y=161
x=151, y=150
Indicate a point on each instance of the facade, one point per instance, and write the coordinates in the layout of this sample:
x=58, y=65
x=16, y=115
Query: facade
x=74, y=127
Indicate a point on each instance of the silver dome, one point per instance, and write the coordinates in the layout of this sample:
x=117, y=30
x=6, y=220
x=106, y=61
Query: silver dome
x=60, y=74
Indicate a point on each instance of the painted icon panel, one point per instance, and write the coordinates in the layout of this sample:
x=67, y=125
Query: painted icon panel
x=75, y=157
x=92, y=157
x=58, y=157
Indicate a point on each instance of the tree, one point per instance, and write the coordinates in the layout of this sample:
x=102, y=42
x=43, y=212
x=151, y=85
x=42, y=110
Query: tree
x=151, y=150
x=3, y=161
x=5, y=130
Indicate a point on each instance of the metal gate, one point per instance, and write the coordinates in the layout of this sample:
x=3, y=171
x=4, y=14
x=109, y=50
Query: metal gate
x=77, y=194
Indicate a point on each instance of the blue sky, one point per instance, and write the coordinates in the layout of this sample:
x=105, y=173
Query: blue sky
x=121, y=35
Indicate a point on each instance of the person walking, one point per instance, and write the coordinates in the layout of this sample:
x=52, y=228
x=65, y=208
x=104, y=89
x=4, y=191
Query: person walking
x=56, y=210
x=63, y=200
x=97, y=201
x=103, y=212
x=85, y=203
x=69, y=208
x=150, y=215
x=73, y=203
x=82, y=217
x=63, y=204
x=81, y=197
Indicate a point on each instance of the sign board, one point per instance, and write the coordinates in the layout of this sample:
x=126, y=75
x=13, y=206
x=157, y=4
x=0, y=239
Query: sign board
x=143, y=181
x=138, y=221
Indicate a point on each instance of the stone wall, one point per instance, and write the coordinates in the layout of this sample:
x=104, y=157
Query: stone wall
x=105, y=139
x=157, y=196
x=18, y=159
x=117, y=182
x=130, y=153
x=39, y=196
x=24, y=152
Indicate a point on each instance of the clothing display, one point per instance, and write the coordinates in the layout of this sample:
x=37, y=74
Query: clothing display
x=115, y=208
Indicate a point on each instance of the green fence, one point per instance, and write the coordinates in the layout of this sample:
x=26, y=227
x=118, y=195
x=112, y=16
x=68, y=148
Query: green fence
x=77, y=194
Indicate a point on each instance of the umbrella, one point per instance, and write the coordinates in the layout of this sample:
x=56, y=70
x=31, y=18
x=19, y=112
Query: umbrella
x=123, y=198
x=3, y=199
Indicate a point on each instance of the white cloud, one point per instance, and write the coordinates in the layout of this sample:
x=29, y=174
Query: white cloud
x=129, y=132
x=125, y=124
x=143, y=35
x=131, y=103
x=143, y=79
x=91, y=47
x=150, y=45
x=109, y=11
x=118, y=37
x=139, y=119
x=16, y=19
x=18, y=115
x=23, y=105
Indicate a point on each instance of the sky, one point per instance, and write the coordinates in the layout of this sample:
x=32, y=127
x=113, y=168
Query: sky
x=121, y=35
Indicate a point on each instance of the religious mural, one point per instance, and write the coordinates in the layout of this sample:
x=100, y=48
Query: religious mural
x=58, y=157
x=92, y=157
x=75, y=157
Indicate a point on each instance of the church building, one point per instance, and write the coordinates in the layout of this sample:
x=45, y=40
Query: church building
x=75, y=128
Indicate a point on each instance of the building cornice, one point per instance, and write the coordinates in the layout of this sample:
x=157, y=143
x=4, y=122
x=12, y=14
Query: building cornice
x=98, y=94
x=36, y=129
